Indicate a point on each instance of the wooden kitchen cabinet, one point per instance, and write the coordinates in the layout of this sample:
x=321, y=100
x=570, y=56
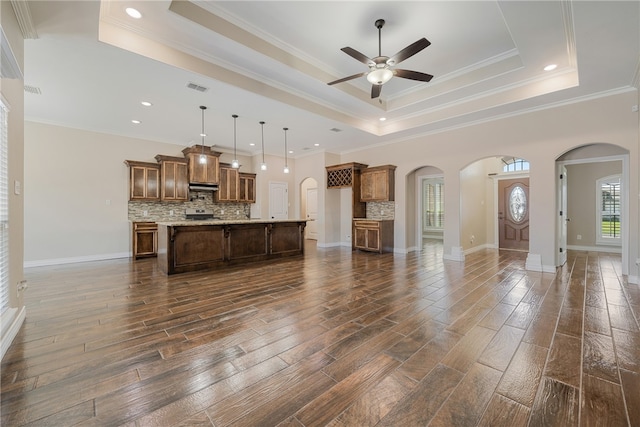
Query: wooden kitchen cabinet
x=145, y=239
x=174, y=178
x=348, y=175
x=229, y=187
x=373, y=235
x=377, y=184
x=144, y=180
x=203, y=173
x=247, y=190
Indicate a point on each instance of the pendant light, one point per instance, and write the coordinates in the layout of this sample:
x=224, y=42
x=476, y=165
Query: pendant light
x=263, y=165
x=203, y=157
x=286, y=164
x=234, y=163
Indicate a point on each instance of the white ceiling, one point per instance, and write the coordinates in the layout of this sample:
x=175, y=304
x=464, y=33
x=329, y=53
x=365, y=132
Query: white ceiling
x=271, y=60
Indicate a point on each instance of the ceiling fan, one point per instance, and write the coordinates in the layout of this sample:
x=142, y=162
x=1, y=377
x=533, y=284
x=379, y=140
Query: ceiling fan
x=380, y=67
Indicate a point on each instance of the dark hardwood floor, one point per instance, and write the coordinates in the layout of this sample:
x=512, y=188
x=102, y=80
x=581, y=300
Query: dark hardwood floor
x=335, y=338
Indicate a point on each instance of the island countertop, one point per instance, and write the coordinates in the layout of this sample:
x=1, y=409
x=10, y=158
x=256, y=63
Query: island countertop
x=187, y=222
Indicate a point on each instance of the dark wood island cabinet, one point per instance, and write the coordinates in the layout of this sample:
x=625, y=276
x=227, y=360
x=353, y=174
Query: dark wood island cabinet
x=200, y=245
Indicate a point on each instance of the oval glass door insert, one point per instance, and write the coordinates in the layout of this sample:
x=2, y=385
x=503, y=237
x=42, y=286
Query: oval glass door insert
x=517, y=204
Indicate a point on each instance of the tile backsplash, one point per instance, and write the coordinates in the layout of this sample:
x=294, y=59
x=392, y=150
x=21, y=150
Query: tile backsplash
x=161, y=211
x=381, y=210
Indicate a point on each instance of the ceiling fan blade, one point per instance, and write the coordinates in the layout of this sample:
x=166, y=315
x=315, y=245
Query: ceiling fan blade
x=375, y=91
x=355, y=76
x=359, y=56
x=413, y=75
x=408, y=51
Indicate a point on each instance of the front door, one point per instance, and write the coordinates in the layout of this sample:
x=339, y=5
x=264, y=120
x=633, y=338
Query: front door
x=513, y=213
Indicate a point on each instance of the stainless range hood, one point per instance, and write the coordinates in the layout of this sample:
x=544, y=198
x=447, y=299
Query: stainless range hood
x=203, y=187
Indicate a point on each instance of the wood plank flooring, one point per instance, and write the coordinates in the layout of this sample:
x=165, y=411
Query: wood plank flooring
x=336, y=338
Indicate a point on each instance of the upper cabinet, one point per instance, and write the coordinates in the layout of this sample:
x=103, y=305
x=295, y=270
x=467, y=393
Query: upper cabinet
x=247, y=187
x=174, y=178
x=229, y=188
x=377, y=184
x=207, y=172
x=144, y=180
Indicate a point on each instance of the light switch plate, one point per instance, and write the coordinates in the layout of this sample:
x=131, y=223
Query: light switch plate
x=17, y=187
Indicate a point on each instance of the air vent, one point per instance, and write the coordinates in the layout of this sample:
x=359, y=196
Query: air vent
x=335, y=130
x=197, y=87
x=32, y=89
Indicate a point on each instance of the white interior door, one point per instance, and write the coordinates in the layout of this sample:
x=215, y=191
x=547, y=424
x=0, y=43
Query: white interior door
x=311, y=230
x=561, y=251
x=278, y=200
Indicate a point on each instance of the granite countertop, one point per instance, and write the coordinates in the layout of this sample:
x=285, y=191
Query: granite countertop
x=187, y=222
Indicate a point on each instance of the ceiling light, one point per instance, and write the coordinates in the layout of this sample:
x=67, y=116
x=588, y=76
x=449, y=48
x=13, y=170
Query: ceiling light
x=203, y=157
x=134, y=13
x=379, y=76
x=234, y=163
x=550, y=67
x=286, y=165
x=382, y=119
x=252, y=144
x=316, y=145
x=136, y=122
x=263, y=165
x=146, y=103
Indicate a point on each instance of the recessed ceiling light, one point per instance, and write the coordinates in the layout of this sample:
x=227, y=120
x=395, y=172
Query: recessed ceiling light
x=550, y=67
x=136, y=122
x=146, y=103
x=204, y=134
x=316, y=144
x=290, y=151
x=253, y=144
x=134, y=13
x=382, y=119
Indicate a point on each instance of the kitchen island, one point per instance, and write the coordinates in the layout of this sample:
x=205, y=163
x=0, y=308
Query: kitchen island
x=198, y=245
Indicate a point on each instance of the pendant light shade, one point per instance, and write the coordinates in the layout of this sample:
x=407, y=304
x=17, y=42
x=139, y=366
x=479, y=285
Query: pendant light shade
x=203, y=157
x=286, y=164
x=234, y=163
x=263, y=165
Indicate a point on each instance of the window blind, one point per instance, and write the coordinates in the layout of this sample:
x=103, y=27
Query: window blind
x=4, y=211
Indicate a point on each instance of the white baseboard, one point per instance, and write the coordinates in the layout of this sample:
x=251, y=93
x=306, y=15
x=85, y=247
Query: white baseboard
x=534, y=262
x=479, y=248
x=12, y=320
x=457, y=254
x=634, y=279
x=331, y=244
x=72, y=260
x=608, y=249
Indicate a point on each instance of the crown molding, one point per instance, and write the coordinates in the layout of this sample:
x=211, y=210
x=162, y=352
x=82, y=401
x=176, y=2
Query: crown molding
x=23, y=15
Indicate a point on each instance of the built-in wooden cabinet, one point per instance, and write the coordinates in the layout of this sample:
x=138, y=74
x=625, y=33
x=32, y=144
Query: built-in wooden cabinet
x=377, y=184
x=145, y=239
x=207, y=173
x=247, y=190
x=373, y=235
x=144, y=180
x=348, y=175
x=229, y=187
x=174, y=178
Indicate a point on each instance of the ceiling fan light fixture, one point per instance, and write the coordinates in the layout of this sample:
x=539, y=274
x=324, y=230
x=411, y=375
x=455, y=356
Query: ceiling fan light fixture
x=379, y=76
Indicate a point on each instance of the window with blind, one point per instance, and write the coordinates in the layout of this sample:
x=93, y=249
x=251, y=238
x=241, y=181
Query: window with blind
x=433, y=204
x=4, y=210
x=608, y=210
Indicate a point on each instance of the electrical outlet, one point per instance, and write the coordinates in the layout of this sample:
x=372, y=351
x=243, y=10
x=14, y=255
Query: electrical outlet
x=472, y=238
x=579, y=237
x=145, y=213
x=171, y=212
x=238, y=212
x=107, y=202
x=222, y=212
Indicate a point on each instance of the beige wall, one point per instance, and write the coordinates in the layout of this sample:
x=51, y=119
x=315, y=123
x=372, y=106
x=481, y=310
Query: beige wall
x=581, y=199
x=473, y=205
x=540, y=137
x=76, y=191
